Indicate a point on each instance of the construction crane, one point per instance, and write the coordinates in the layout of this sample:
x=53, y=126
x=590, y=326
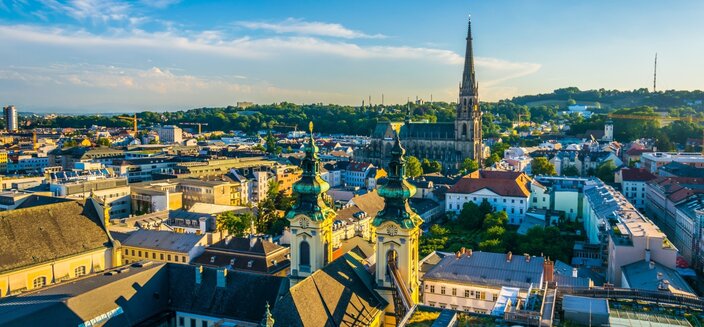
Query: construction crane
x=661, y=119
x=131, y=119
x=200, y=126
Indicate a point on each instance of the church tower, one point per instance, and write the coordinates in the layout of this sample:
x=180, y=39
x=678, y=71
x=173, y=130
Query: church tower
x=468, y=122
x=397, y=233
x=311, y=219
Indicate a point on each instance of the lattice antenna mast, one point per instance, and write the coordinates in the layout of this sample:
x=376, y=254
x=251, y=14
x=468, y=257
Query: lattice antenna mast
x=655, y=74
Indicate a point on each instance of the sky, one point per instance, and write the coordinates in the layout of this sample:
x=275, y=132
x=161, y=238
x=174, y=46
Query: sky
x=122, y=56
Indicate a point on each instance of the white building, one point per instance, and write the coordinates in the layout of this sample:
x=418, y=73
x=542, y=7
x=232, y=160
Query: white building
x=472, y=281
x=504, y=190
x=170, y=134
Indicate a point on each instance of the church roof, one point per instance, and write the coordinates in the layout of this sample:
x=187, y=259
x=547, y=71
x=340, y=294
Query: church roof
x=341, y=294
x=45, y=232
x=436, y=131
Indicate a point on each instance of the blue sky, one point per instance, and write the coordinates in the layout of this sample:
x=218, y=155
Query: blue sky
x=110, y=55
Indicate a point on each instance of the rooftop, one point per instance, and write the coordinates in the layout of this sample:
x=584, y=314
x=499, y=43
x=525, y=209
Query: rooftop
x=488, y=268
x=163, y=240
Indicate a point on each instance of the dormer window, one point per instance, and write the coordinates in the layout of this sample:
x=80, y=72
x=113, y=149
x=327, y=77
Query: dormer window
x=212, y=259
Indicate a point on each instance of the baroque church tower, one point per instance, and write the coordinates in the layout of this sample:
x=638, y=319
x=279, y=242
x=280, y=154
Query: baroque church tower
x=397, y=230
x=311, y=219
x=468, y=121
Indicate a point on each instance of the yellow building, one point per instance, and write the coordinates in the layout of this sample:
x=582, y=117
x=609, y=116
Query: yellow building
x=3, y=162
x=48, y=240
x=164, y=246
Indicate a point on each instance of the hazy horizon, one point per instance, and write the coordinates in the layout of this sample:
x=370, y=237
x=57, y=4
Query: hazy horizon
x=84, y=56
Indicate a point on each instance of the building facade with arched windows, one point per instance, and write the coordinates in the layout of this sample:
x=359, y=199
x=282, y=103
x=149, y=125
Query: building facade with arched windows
x=447, y=142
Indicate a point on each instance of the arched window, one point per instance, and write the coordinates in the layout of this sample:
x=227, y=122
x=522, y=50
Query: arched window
x=464, y=130
x=79, y=271
x=39, y=282
x=304, y=255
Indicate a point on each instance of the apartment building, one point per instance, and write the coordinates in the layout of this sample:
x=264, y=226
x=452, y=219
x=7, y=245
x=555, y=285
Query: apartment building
x=164, y=246
x=652, y=161
x=114, y=191
x=210, y=191
x=633, y=182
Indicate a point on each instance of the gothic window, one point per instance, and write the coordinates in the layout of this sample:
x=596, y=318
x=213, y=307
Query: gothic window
x=304, y=257
x=464, y=130
x=39, y=282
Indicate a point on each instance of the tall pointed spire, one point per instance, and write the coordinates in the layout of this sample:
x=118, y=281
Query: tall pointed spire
x=469, y=82
x=397, y=191
x=311, y=186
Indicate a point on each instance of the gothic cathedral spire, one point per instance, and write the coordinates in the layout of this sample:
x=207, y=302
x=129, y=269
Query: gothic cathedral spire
x=468, y=124
x=311, y=219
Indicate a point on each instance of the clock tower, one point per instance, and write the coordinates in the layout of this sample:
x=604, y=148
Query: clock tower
x=397, y=233
x=310, y=218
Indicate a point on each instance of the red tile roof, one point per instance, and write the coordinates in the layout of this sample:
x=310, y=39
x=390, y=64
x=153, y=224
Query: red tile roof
x=358, y=166
x=504, y=183
x=637, y=174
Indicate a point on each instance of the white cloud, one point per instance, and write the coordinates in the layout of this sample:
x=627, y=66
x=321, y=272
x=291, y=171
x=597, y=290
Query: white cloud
x=93, y=10
x=214, y=42
x=161, y=4
x=301, y=27
x=503, y=70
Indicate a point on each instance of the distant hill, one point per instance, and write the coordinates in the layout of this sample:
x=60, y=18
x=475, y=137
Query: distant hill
x=614, y=99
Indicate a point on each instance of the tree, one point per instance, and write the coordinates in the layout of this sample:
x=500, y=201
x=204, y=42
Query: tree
x=493, y=245
x=470, y=217
x=430, y=167
x=271, y=146
x=104, y=141
x=605, y=171
x=469, y=165
x=541, y=166
x=494, y=158
x=495, y=219
x=570, y=170
x=413, y=167
x=235, y=224
x=438, y=231
x=485, y=208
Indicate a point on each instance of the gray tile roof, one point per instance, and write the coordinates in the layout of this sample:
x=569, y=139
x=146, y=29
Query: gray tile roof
x=491, y=269
x=163, y=240
x=45, y=232
x=341, y=294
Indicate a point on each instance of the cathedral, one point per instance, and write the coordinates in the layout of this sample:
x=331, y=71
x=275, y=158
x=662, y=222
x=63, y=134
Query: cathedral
x=447, y=142
x=350, y=290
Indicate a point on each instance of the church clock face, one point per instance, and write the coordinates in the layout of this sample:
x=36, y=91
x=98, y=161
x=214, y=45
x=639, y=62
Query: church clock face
x=304, y=222
x=392, y=230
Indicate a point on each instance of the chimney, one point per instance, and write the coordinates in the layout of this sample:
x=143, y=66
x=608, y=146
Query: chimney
x=651, y=265
x=509, y=256
x=575, y=272
x=463, y=250
x=548, y=270
x=252, y=241
x=202, y=224
x=199, y=274
x=527, y=256
x=221, y=277
x=469, y=252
